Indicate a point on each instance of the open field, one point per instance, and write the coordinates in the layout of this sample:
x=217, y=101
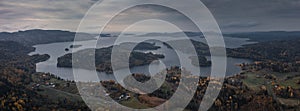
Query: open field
x=252, y=81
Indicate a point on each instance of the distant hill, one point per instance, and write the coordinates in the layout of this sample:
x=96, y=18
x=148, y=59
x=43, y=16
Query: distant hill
x=253, y=36
x=37, y=36
x=267, y=36
x=174, y=34
x=285, y=50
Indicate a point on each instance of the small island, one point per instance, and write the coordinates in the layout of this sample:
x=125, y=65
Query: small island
x=167, y=45
x=75, y=46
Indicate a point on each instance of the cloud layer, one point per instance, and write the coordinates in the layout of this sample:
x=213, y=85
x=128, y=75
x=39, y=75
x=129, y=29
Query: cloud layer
x=232, y=15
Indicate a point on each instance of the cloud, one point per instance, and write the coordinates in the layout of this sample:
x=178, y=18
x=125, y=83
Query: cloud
x=19, y=13
x=232, y=15
x=271, y=14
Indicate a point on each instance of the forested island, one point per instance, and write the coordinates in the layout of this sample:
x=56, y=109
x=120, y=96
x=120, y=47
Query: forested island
x=103, y=57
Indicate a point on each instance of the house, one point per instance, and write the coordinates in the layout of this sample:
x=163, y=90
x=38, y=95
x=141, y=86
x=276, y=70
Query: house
x=258, y=76
x=124, y=96
x=257, y=62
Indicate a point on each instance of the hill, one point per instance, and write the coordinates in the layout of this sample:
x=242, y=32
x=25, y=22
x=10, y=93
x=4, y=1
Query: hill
x=37, y=36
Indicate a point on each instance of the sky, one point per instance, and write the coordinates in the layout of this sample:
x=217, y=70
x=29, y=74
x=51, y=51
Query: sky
x=231, y=15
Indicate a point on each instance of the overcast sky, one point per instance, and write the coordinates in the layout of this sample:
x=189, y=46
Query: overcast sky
x=231, y=15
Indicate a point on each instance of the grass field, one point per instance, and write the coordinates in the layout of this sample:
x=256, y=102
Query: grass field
x=283, y=79
x=291, y=82
x=134, y=103
x=252, y=81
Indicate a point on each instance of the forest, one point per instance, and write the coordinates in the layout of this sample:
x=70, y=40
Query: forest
x=270, y=82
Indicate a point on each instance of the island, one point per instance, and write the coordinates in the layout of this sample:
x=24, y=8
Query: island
x=103, y=57
x=75, y=46
x=203, y=62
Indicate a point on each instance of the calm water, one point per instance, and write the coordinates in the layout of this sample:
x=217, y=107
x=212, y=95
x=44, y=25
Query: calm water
x=56, y=50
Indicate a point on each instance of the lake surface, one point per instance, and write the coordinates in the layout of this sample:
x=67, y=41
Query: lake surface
x=56, y=50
